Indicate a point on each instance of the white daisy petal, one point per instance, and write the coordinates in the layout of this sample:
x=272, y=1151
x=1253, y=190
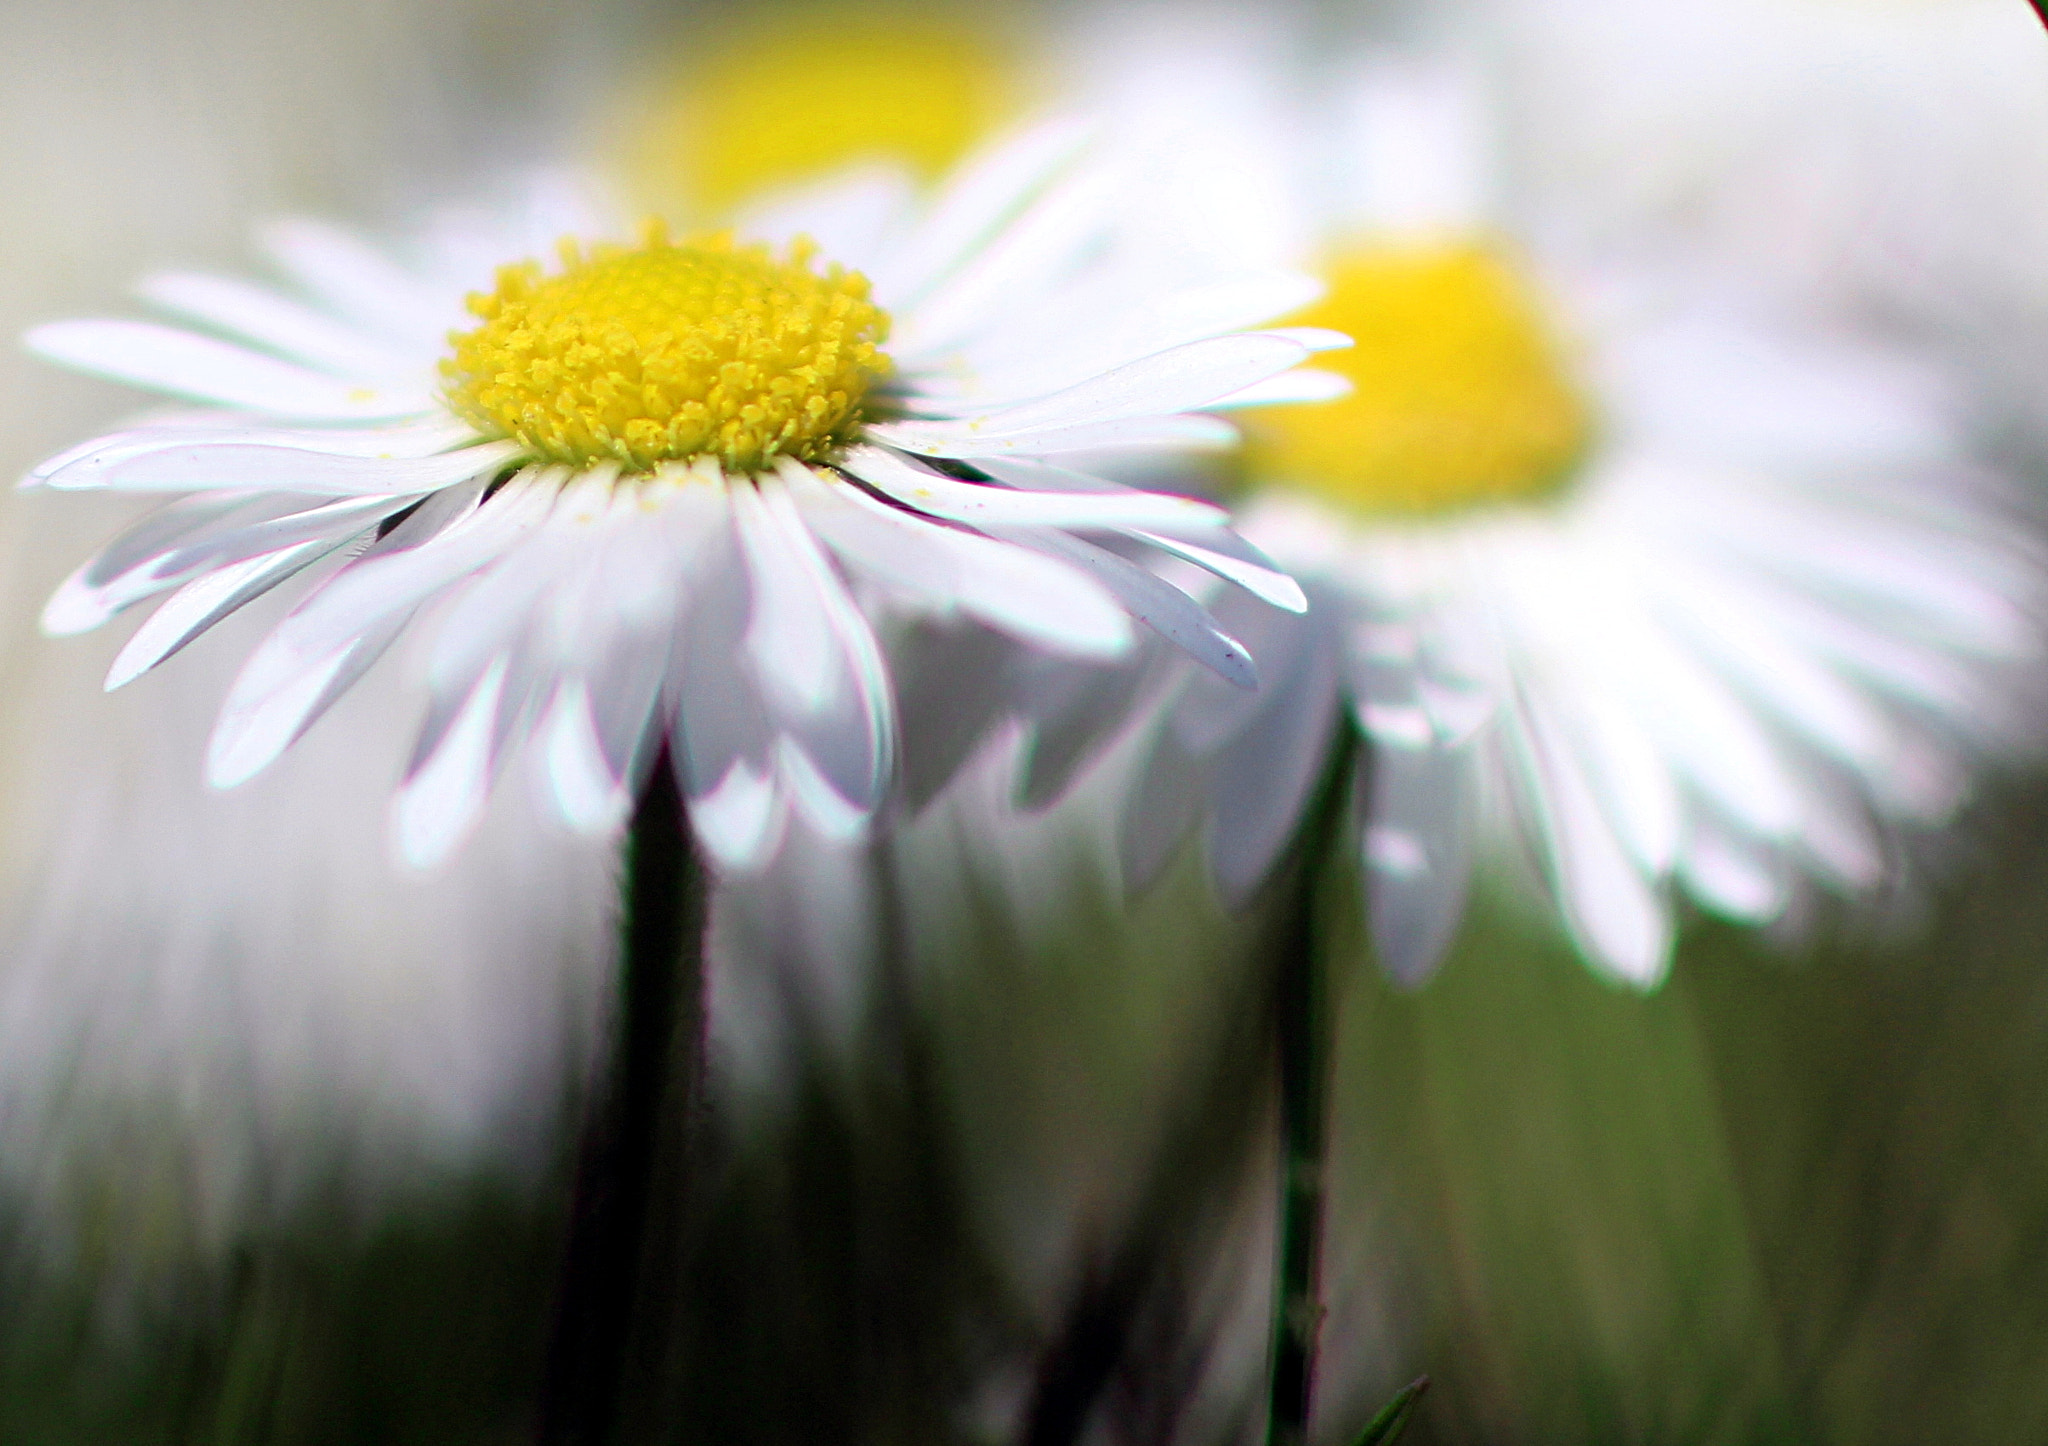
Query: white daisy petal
x=233, y=539
x=84, y=466
x=1233, y=303
x=1268, y=771
x=1613, y=912
x=976, y=202
x=1563, y=594
x=978, y=502
x=1633, y=779
x=311, y=658
x=219, y=466
x=720, y=728
x=358, y=280
x=851, y=216
x=252, y=732
x=1313, y=338
x=1027, y=255
x=620, y=704
x=814, y=653
x=1234, y=560
x=1796, y=687
x=461, y=535
x=817, y=800
x=253, y=314
x=440, y=802
x=180, y=364
x=1025, y=594
x=1153, y=601
x=740, y=819
x=1419, y=813
x=1136, y=432
x=1729, y=879
x=1303, y=384
x=133, y=566
x=150, y=560
x=204, y=601
x=587, y=791
x=1182, y=379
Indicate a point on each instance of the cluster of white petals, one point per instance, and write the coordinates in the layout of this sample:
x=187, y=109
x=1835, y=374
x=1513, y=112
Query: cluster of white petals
x=580, y=618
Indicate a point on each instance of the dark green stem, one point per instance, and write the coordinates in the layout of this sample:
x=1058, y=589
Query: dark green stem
x=629, y=1210
x=1304, y=1023
x=2041, y=9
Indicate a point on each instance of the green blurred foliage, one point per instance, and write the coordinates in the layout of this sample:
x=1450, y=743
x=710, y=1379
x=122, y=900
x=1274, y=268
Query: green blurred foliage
x=425, y=1327
x=1783, y=1199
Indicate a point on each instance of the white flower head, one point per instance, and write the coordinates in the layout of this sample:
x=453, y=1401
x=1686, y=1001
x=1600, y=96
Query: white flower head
x=1609, y=562
x=620, y=501
x=1882, y=152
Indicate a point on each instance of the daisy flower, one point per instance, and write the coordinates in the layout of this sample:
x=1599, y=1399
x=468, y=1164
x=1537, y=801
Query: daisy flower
x=788, y=94
x=1687, y=599
x=629, y=499
x=1884, y=153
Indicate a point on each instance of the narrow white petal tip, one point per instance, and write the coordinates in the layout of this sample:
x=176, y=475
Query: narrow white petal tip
x=600, y=822
x=740, y=819
x=830, y=813
x=1285, y=593
x=423, y=838
x=588, y=798
x=1315, y=338
x=1640, y=964
x=248, y=739
x=231, y=764
x=72, y=610
x=233, y=757
x=132, y=662
x=46, y=341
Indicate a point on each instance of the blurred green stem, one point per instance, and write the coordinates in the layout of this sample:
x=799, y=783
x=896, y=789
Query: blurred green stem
x=2041, y=9
x=625, y=1228
x=1304, y=1024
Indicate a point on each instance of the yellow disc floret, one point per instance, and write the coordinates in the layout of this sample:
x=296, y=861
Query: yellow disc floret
x=666, y=352
x=1459, y=394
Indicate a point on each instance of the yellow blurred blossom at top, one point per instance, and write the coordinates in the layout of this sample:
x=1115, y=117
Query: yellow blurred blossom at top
x=796, y=91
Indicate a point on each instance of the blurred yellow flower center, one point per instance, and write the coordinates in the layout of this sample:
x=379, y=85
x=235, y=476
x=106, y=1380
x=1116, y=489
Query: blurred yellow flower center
x=1460, y=396
x=813, y=88
x=666, y=352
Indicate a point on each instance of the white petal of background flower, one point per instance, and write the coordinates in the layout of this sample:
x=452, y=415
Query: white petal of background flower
x=1697, y=672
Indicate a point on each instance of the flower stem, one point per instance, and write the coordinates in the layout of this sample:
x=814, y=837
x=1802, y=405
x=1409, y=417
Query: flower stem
x=1304, y=1022
x=633, y=1168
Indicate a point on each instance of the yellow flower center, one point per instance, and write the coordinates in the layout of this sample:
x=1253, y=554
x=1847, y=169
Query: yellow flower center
x=1460, y=396
x=788, y=98
x=665, y=352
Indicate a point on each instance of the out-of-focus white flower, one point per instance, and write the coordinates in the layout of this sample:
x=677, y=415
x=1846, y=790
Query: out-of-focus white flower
x=1887, y=154
x=1603, y=556
x=624, y=486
